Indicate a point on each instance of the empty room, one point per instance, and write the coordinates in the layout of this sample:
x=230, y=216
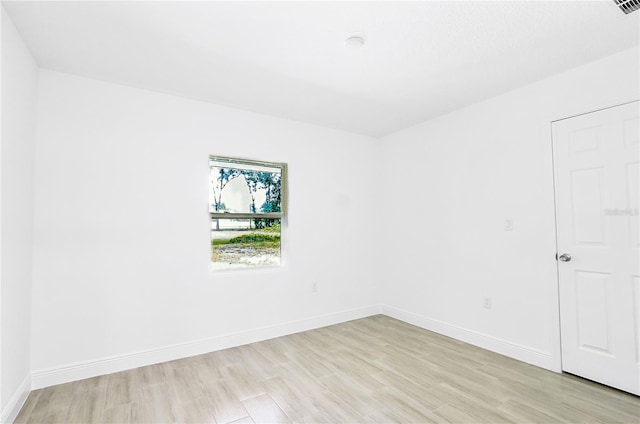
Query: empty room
x=320, y=212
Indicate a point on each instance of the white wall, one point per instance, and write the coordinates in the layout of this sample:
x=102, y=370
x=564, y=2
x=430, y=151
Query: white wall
x=121, y=226
x=122, y=241
x=460, y=176
x=19, y=82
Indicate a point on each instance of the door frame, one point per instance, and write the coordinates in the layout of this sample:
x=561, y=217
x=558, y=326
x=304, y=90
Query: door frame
x=556, y=330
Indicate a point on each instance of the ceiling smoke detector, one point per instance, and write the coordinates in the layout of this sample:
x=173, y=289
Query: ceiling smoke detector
x=355, y=41
x=628, y=6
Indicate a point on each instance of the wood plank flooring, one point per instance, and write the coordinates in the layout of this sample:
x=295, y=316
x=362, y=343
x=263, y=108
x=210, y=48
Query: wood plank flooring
x=372, y=370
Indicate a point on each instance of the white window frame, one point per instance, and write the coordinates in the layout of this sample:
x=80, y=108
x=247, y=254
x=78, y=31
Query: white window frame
x=282, y=215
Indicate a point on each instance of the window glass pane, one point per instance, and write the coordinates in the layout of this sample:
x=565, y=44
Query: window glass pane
x=244, y=243
x=244, y=188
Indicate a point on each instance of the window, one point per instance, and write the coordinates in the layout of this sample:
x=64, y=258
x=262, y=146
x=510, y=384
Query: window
x=247, y=207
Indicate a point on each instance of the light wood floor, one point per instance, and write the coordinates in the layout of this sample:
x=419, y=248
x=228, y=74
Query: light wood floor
x=375, y=369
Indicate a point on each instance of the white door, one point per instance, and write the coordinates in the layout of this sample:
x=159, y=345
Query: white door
x=597, y=190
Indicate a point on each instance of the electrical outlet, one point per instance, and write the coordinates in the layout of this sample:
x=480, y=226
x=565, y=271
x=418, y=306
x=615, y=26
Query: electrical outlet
x=314, y=287
x=486, y=302
x=508, y=224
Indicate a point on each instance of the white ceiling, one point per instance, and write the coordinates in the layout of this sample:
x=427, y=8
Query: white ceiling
x=288, y=59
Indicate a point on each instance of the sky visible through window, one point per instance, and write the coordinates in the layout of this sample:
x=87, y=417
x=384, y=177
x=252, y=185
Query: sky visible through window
x=243, y=189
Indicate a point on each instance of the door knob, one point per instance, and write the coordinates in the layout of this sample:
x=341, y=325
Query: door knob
x=565, y=257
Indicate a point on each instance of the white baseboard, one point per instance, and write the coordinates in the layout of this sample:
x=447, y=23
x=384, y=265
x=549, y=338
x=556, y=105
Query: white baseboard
x=522, y=353
x=88, y=369
x=11, y=410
